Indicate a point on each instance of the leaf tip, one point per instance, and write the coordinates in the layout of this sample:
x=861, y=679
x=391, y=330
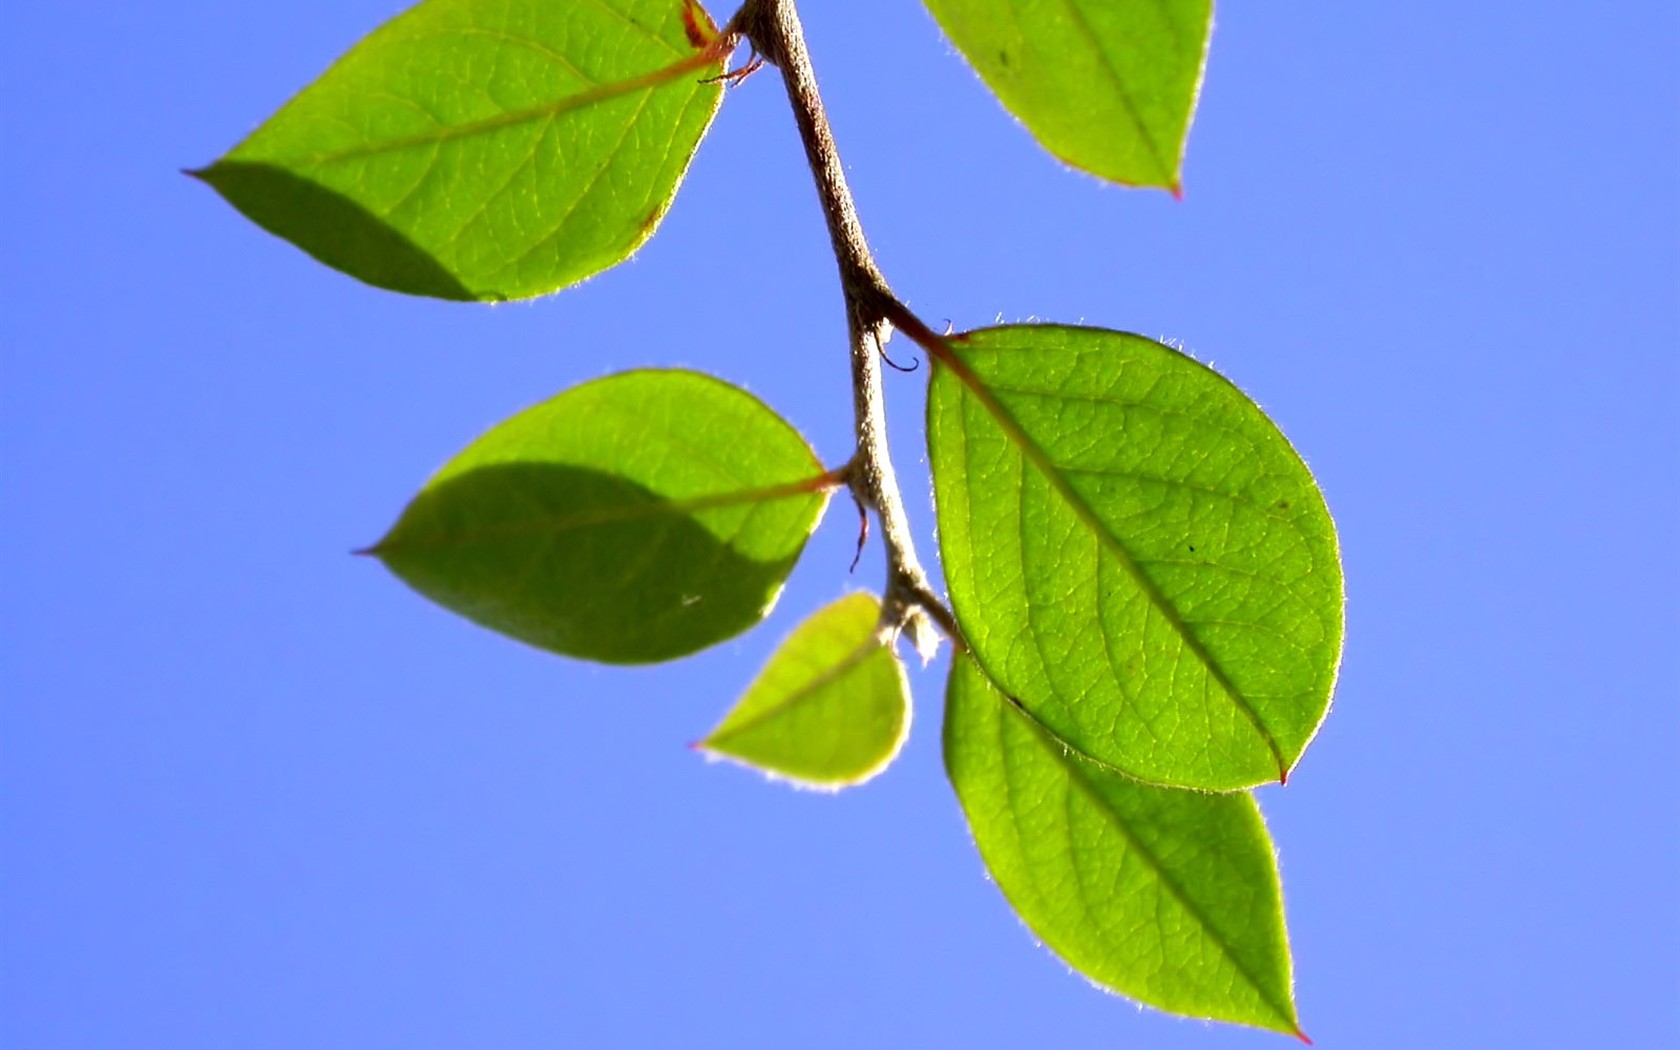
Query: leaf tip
x=1177, y=190
x=706, y=747
x=1285, y=766
x=1302, y=1036
x=376, y=550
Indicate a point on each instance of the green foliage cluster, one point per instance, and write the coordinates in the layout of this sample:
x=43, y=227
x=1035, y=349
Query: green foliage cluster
x=1145, y=591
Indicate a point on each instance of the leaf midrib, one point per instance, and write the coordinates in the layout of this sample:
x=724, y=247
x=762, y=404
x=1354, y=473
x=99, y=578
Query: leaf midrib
x=828, y=676
x=1145, y=135
x=489, y=125
x=606, y=515
x=1035, y=454
x=1069, y=760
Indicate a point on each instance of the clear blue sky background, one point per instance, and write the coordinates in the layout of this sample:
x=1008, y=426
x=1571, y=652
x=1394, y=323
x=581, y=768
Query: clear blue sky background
x=254, y=793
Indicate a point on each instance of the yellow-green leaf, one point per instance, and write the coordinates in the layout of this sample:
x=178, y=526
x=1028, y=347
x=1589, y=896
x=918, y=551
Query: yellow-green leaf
x=830, y=709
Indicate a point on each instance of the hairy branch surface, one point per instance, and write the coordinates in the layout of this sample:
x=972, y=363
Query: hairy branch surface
x=772, y=28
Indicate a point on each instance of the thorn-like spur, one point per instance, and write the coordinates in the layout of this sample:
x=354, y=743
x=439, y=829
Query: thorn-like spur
x=863, y=529
x=734, y=77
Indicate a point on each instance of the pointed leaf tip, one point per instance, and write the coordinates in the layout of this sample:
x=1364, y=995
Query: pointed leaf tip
x=1166, y=896
x=480, y=151
x=1106, y=87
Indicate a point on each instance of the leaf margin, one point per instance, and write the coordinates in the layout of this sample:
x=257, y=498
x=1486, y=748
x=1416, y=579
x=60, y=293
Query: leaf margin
x=1081, y=772
x=877, y=643
x=944, y=354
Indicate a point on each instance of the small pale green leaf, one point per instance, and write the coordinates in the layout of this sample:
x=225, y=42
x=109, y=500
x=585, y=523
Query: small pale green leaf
x=1134, y=552
x=830, y=709
x=486, y=149
x=1164, y=895
x=635, y=518
x=1106, y=85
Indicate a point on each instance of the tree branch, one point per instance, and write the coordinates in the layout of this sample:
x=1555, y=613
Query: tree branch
x=772, y=28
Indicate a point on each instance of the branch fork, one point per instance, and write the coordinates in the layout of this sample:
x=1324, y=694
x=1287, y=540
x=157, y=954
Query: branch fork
x=909, y=603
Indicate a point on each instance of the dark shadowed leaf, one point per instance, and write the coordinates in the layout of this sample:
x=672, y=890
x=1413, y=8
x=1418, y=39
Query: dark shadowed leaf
x=1135, y=552
x=486, y=149
x=635, y=518
x=829, y=710
x=1167, y=896
x=1106, y=85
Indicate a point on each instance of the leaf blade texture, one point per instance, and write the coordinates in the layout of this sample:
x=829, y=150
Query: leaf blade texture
x=638, y=517
x=1166, y=896
x=1107, y=86
x=830, y=709
x=1135, y=552
x=486, y=149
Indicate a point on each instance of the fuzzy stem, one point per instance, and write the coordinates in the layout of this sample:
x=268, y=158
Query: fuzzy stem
x=772, y=28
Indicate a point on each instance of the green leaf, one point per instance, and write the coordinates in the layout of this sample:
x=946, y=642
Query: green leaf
x=1106, y=85
x=830, y=709
x=486, y=149
x=1167, y=896
x=1134, y=552
x=634, y=518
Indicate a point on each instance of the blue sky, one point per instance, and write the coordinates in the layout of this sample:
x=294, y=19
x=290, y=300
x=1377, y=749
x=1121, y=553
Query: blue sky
x=255, y=793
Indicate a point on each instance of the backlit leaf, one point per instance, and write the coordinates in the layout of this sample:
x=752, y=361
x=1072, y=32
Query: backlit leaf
x=1167, y=896
x=829, y=710
x=635, y=518
x=486, y=149
x=1106, y=85
x=1134, y=552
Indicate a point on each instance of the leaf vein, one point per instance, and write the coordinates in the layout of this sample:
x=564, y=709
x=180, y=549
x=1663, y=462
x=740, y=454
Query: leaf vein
x=505, y=119
x=1035, y=453
x=1122, y=91
x=558, y=523
x=1068, y=761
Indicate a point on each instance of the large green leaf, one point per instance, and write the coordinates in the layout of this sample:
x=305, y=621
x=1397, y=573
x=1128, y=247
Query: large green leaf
x=635, y=518
x=486, y=149
x=1106, y=85
x=1164, y=895
x=829, y=710
x=1134, y=552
